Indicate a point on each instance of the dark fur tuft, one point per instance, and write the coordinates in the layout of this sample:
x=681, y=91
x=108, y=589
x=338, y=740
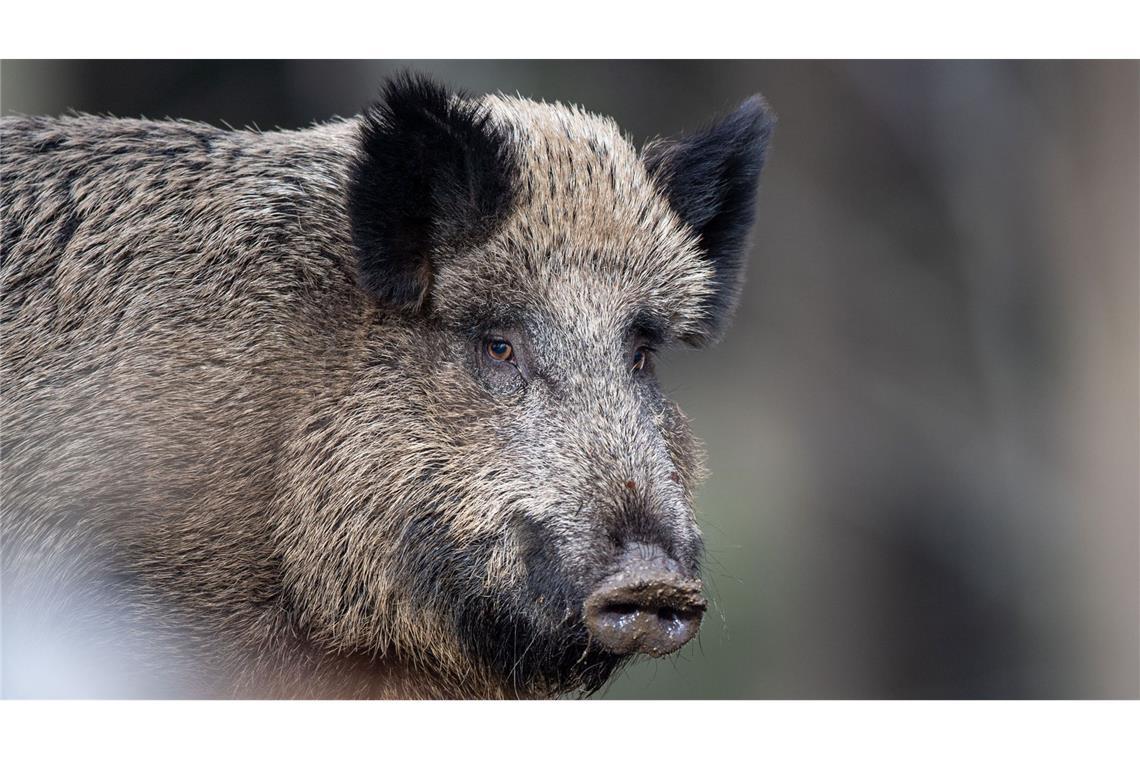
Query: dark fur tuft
x=711, y=178
x=433, y=175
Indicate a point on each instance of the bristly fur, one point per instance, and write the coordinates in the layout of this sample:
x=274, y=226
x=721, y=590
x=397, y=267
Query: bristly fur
x=433, y=175
x=711, y=178
x=253, y=444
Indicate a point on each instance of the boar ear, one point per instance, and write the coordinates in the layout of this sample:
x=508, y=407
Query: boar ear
x=711, y=178
x=432, y=174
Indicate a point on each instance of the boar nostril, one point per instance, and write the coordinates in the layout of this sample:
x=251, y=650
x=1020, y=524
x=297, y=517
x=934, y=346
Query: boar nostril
x=646, y=606
x=619, y=610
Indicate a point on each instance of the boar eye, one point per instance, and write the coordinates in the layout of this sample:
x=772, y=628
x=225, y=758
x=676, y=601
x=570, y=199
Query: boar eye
x=499, y=350
x=640, y=357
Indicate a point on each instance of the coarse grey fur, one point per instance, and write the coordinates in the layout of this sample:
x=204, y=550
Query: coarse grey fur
x=232, y=470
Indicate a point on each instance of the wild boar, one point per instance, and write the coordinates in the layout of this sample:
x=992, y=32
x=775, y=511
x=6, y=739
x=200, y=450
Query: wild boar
x=364, y=409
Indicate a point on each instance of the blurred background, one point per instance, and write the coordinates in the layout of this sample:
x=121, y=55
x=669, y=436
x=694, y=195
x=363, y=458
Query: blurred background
x=924, y=428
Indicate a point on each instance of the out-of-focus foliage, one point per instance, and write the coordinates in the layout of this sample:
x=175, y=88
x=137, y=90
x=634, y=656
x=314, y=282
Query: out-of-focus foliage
x=923, y=428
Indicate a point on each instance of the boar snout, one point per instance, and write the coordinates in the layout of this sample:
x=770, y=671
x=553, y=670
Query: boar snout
x=646, y=606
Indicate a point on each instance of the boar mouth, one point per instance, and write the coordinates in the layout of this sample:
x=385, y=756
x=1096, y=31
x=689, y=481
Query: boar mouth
x=559, y=631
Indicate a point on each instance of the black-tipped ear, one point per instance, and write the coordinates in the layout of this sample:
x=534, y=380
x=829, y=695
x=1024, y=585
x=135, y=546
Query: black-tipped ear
x=432, y=175
x=711, y=178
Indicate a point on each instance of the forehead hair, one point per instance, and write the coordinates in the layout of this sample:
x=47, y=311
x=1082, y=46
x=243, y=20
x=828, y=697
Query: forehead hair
x=588, y=233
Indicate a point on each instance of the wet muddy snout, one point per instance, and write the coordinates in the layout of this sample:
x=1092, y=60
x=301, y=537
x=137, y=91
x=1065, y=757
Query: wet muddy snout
x=647, y=606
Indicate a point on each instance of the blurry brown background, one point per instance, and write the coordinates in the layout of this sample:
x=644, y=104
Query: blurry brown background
x=924, y=428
